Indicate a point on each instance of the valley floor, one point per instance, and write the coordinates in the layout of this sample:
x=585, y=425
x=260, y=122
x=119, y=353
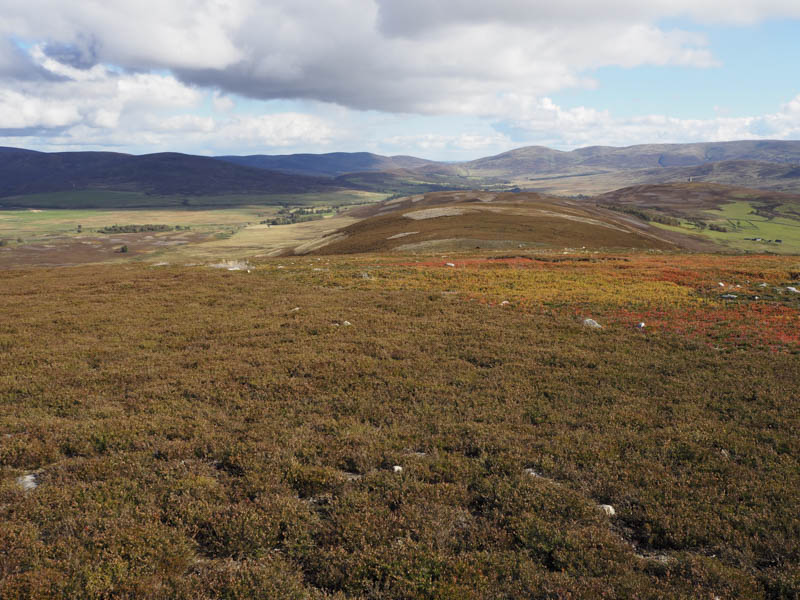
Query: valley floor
x=403, y=427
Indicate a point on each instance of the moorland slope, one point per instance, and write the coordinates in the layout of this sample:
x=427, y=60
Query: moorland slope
x=399, y=429
x=465, y=220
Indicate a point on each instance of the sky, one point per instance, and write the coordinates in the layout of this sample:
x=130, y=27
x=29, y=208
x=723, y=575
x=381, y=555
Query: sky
x=438, y=79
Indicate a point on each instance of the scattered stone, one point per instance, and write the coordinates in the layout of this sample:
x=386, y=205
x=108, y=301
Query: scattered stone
x=281, y=267
x=351, y=476
x=365, y=275
x=608, y=509
x=231, y=265
x=591, y=323
x=721, y=284
x=397, y=469
x=346, y=323
x=416, y=453
x=534, y=473
x=659, y=558
x=295, y=309
x=730, y=296
x=28, y=482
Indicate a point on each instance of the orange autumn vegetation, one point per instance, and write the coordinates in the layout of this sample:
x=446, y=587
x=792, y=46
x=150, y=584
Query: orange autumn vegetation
x=200, y=433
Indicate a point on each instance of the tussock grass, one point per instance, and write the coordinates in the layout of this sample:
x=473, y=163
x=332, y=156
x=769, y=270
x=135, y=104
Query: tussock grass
x=193, y=436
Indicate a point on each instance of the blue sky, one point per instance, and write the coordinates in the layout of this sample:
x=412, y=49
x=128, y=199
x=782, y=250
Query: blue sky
x=441, y=79
x=759, y=70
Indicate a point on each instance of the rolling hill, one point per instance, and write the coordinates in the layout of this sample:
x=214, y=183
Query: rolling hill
x=733, y=217
x=535, y=160
x=23, y=172
x=764, y=164
x=328, y=165
x=761, y=164
x=467, y=220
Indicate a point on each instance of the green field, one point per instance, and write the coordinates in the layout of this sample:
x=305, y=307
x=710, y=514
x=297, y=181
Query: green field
x=107, y=199
x=741, y=223
x=38, y=222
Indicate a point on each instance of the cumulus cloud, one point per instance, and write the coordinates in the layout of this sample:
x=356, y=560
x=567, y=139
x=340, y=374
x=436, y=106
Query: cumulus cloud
x=76, y=106
x=544, y=122
x=155, y=72
x=425, y=56
x=455, y=144
x=416, y=17
x=95, y=96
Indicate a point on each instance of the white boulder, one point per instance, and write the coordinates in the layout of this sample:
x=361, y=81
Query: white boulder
x=608, y=509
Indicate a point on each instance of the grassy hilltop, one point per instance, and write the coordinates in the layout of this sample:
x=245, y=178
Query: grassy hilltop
x=203, y=433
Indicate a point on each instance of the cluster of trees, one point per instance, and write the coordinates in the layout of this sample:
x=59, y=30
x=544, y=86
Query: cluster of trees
x=288, y=216
x=139, y=228
x=644, y=216
x=701, y=225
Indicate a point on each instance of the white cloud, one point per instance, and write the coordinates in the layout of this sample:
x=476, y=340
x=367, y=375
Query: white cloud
x=544, y=122
x=96, y=97
x=176, y=74
x=21, y=111
x=420, y=17
x=222, y=103
x=439, y=143
x=426, y=56
x=278, y=130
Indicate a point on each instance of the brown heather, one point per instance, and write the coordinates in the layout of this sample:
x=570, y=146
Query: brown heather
x=193, y=437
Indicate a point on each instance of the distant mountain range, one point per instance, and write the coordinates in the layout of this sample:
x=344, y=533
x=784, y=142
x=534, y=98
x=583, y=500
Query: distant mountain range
x=537, y=160
x=25, y=172
x=762, y=164
x=329, y=165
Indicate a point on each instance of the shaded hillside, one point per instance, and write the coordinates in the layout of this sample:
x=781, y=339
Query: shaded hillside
x=406, y=182
x=24, y=172
x=331, y=165
x=686, y=199
x=466, y=220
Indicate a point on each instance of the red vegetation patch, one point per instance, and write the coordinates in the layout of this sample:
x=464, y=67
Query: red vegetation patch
x=768, y=326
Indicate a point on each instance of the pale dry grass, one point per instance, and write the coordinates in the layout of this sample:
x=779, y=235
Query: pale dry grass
x=261, y=241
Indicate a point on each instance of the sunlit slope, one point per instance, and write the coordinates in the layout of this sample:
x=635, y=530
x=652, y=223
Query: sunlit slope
x=466, y=220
